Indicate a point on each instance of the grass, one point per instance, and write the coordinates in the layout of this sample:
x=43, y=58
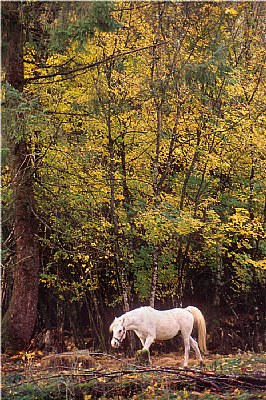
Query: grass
x=247, y=363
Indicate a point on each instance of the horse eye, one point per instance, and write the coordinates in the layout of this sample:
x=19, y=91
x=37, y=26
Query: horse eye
x=120, y=330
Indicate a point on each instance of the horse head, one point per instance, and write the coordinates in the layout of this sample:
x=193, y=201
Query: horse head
x=119, y=332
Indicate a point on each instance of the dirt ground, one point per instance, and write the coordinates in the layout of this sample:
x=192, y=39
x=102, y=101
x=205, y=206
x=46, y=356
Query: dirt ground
x=84, y=359
x=248, y=363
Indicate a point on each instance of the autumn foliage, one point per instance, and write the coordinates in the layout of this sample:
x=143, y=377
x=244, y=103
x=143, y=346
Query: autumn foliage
x=146, y=138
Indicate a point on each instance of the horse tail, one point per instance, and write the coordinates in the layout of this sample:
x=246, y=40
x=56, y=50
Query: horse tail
x=201, y=325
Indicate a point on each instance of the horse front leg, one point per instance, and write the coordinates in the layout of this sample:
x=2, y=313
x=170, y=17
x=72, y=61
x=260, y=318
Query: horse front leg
x=147, y=343
x=143, y=355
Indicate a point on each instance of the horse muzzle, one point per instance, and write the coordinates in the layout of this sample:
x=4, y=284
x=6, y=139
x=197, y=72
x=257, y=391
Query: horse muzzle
x=115, y=343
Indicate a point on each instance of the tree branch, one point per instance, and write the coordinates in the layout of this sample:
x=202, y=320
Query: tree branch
x=92, y=65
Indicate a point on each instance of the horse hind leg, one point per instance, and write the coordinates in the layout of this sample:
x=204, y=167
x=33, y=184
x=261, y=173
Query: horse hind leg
x=187, y=349
x=195, y=347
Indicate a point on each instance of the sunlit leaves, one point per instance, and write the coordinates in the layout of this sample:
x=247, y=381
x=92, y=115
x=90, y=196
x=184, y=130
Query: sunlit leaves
x=202, y=72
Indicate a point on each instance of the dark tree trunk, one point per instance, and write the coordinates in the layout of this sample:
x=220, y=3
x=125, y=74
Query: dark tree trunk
x=19, y=320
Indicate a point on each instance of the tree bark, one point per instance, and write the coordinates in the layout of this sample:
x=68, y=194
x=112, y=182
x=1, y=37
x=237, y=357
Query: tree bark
x=19, y=320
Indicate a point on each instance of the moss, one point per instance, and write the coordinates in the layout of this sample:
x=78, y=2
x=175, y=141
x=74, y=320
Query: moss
x=143, y=357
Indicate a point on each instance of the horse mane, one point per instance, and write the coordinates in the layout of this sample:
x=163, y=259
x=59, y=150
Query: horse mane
x=114, y=323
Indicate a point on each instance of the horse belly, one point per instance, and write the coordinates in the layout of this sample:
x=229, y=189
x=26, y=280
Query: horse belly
x=167, y=329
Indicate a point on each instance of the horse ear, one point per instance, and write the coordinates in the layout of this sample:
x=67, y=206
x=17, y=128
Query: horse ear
x=112, y=326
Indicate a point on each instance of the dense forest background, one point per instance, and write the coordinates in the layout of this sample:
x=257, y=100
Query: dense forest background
x=133, y=167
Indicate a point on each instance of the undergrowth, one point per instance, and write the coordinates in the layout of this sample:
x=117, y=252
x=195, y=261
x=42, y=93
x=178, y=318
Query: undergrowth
x=34, y=384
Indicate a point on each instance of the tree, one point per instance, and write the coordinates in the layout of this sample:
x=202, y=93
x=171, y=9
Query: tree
x=19, y=320
x=32, y=42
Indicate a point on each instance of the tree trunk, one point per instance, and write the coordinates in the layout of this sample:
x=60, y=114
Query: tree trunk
x=251, y=188
x=154, y=279
x=19, y=320
x=217, y=277
x=156, y=193
x=156, y=69
x=113, y=214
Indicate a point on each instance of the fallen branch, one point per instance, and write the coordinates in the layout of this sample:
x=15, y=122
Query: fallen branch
x=199, y=380
x=183, y=376
x=129, y=379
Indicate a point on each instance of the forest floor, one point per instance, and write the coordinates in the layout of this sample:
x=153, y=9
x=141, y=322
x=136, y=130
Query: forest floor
x=84, y=375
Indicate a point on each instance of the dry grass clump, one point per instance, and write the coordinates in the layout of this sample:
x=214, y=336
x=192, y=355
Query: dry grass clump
x=69, y=360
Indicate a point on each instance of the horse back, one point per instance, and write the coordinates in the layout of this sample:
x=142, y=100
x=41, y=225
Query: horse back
x=169, y=322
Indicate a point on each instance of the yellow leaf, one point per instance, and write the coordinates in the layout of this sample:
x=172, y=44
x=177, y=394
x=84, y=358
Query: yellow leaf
x=231, y=11
x=130, y=376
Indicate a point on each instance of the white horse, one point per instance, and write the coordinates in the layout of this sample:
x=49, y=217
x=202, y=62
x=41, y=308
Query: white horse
x=150, y=324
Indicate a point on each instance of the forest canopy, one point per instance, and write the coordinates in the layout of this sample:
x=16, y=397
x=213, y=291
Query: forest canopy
x=141, y=133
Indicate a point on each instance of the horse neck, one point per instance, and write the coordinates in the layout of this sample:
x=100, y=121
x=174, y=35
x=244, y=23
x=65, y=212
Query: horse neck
x=130, y=320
